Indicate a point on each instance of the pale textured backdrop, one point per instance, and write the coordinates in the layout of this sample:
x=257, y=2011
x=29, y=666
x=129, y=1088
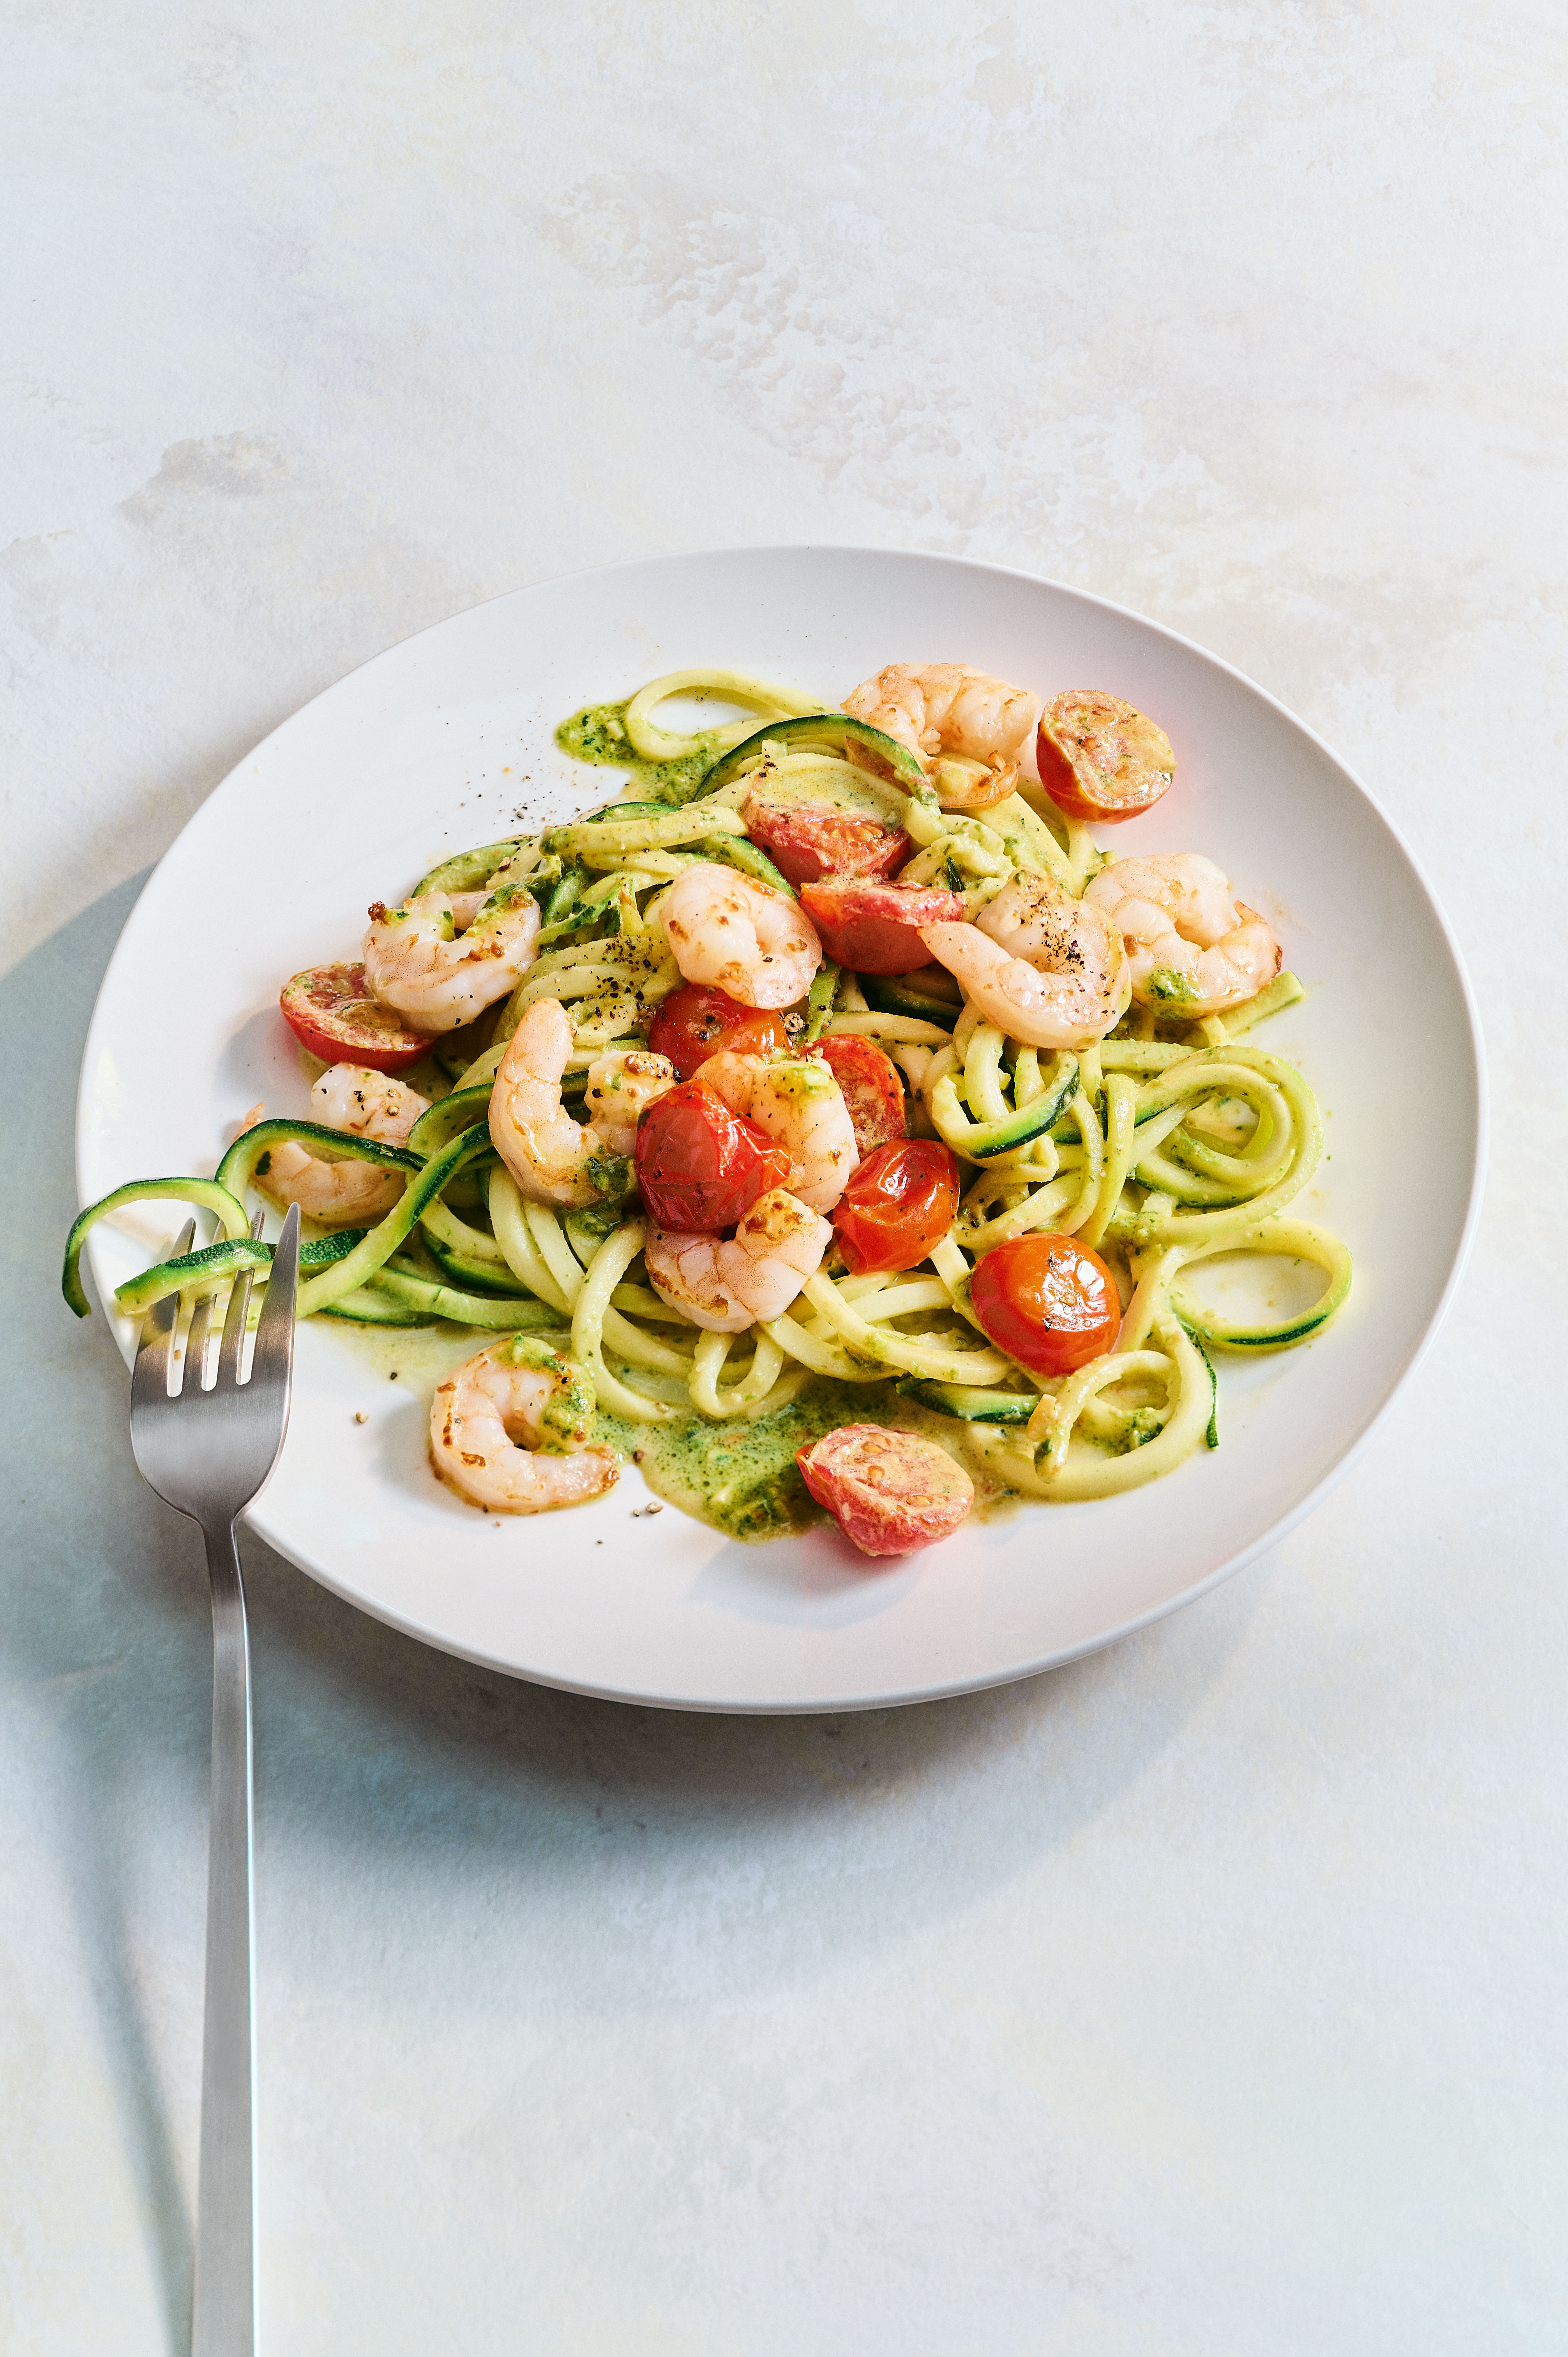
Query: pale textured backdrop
x=1204, y=1998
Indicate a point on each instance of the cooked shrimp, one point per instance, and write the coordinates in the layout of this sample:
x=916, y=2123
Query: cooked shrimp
x=1047, y=969
x=367, y=1104
x=1192, y=947
x=728, y=1286
x=553, y=1158
x=344, y=1194
x=509, y=1431
x=797, y=1100
x=740, y=937
x=971, y=734
x=419, y=964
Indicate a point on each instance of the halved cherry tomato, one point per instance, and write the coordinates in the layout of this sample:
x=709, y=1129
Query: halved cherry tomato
x=701, y=1167
x=874, y=928
x=693, y=1023
x=1101, y=759
x=888, y=1492
x=1048, y=1301
x=330, y=1010
x=897, y=1206
x=870, y=1087
x=808, y=840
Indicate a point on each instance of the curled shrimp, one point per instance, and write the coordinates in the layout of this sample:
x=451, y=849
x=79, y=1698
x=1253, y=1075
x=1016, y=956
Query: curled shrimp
x=1192, y=948
x=798, y=1102
x=344, y=1194
x=553, y=1158
x=726, y=1285
x=740, y=937
x=509, y=1431
x=1047, y=969
x=971, y=734
x=419, y=964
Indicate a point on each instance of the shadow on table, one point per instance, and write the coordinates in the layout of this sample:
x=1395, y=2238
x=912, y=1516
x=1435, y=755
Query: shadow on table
x=373, y=1749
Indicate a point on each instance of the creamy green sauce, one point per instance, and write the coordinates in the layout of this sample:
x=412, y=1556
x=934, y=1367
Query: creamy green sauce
x=597, y=733
x=742, y=1478
x=738, y=1478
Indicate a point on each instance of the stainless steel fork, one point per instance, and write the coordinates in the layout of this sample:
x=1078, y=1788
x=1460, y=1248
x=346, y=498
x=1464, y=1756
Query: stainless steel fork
x=208, y=1450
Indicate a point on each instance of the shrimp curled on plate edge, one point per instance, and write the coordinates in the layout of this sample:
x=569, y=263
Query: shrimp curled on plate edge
x=510, y=1430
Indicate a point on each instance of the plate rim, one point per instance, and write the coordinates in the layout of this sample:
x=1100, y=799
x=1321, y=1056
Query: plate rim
x=939, y=1690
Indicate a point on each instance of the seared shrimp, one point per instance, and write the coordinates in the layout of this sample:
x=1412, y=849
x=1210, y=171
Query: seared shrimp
x=1047, y=969
x=971, y=734
x=418, y=963
x=509, y=1431
x=798, y=1101
x=344, y=1194
x=553, y=1158
x=740, y=937
x=1192, y=948
x=727, y=1286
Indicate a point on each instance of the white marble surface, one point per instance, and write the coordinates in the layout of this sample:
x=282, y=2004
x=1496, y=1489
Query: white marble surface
x=1205, y=1997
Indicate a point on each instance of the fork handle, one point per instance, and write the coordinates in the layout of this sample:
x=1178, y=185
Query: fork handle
x=225, y=2317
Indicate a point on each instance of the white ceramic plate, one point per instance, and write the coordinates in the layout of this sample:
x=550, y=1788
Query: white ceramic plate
x=441, y=743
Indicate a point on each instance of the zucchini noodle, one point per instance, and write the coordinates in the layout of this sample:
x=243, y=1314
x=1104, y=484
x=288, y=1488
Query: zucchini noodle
x=1170, y=1147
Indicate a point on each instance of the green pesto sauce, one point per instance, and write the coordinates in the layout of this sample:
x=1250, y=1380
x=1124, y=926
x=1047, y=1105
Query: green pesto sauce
x=597, y=733
x=742, y=1478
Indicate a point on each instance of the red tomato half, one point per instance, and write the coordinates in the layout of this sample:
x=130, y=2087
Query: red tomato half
x=874, y=928
x=888, y=1492
x=701, y=1167
x=329, y=1009
x=1099, y=759
x=897, y=1206
x=809, y=841
x=1048, y=1301
x=693, y=1023
x=870, y=1087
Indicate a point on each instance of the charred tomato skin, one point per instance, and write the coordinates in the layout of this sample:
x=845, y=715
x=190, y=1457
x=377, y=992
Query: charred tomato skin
x=1048, y=1301
x=872, y=1088
x=874, y=928
x=694, y=1022
x=897, y=1206
x=699, y=1167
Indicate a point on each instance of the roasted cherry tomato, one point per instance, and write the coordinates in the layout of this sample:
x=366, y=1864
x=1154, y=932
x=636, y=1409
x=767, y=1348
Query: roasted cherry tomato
x=808, y=840
x=888, y=1492
x=897, y=1206
x=1048, y=1301
x=874, y=928
x=695, y=1023
x=701, y=1167
x=870, y=1087
x=330, y=1010
x=1101, y=759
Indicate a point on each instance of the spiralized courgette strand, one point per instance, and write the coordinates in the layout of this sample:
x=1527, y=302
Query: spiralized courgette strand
x=1161, y=1151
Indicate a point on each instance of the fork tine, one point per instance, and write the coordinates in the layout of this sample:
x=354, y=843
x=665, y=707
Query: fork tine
x=149, y=1377
x=232, y=1348
x=196, y=1344
x=273, y=1353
